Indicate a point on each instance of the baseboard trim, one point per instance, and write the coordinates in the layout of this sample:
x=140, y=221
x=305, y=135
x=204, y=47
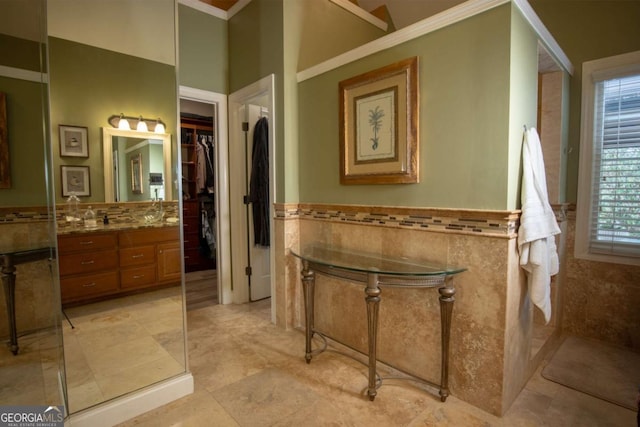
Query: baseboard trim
x=137, y=403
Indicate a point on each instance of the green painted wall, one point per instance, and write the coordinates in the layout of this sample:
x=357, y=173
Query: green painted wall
x=523, y=97
x=464, y=121
x=26, y=143
x=203, y=47
x=256, y=43
x=20, y=53
x=585, y=31
x=325, y=31
x=88, y=84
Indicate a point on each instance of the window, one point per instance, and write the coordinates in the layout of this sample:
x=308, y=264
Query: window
x=608, y=216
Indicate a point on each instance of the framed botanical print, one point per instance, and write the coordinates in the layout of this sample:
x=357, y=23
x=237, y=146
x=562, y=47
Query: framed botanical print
x=379, y=125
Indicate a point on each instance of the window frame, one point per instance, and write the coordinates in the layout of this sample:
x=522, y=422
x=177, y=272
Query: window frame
x=592, y=73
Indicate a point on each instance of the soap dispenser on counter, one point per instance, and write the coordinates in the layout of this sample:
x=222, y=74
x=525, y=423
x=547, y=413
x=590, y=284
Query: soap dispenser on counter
x=72, y=214
x=90, y=218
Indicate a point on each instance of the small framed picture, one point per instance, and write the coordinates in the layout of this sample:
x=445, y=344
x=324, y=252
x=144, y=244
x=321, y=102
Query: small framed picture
x=73, y=141
x=75, y=179
x=136, y=174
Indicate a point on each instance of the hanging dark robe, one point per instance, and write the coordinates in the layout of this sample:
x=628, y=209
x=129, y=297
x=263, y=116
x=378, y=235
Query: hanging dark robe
x=259, y=183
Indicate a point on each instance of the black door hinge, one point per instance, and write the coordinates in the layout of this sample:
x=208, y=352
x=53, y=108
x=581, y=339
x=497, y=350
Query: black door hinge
x=245, y=126
x=247, y=271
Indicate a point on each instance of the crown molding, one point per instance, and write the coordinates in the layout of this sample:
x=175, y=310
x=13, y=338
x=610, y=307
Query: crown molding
x=22, y=74
x=443, y=19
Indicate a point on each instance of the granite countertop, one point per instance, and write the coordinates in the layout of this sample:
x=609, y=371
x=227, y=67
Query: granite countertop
x=64, y=228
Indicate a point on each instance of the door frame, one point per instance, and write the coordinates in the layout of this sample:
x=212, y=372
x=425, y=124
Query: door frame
x=223, y=238
x=261, y=89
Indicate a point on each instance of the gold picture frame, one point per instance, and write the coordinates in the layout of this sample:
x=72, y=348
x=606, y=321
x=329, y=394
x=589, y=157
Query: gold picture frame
x=136, y=174
x=379, y=126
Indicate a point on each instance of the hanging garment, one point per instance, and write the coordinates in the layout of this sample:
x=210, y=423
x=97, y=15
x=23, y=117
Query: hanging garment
x=538, y=226
x=207, y=236
x=259, y=183
x=201, y=167
x=210, y=181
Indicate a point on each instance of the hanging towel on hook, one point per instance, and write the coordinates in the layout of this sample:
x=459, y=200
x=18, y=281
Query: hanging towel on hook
x=538, y=226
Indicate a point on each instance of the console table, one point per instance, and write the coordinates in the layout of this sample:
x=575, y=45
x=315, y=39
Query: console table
x=10, y=257
x=376, y=271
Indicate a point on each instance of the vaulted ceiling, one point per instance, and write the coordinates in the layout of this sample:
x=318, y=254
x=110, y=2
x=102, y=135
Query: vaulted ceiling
x=403, y=12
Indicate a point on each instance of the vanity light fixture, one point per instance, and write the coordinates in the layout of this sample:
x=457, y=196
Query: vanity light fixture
x=141, y=124
x=123, y=123
x=159, y=126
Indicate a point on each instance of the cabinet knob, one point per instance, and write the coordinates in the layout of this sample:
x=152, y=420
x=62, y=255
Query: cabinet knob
x=87, y=262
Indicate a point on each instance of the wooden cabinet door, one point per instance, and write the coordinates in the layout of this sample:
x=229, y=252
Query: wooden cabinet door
x=169, y=265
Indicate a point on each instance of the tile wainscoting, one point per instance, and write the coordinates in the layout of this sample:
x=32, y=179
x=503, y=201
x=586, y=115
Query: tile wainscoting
x=493, y=319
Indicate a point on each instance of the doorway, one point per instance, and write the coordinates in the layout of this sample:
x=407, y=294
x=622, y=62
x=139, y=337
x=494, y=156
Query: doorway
x=252, y=263
x=203, y=168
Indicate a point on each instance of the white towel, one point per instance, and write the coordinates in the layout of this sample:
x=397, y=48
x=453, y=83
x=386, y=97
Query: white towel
x=538, y=226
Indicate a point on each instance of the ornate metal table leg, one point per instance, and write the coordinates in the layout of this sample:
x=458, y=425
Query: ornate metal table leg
x=373, y=302
x=446, y=307
x=9, y=282
x=308, y=286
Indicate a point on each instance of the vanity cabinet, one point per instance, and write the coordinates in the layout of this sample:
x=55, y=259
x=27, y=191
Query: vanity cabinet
x=88, y=265
x=99, y=264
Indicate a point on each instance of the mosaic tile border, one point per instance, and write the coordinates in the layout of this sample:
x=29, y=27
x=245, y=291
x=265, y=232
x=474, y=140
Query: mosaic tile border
x=118, y=213
x=460, y=221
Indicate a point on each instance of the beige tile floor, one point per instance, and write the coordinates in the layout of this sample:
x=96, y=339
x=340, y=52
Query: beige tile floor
x=248, y=372
x=119, y=345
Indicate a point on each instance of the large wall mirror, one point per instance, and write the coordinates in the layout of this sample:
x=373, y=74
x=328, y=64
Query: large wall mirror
x=105, y=59
x=137, y=166
x=29, y=377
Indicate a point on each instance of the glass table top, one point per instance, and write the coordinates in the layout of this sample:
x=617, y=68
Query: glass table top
x=371, y=263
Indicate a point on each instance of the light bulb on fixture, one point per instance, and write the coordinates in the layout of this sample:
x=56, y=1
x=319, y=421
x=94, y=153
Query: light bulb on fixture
x=123, y=123
x=142, y=125
x=159, y=127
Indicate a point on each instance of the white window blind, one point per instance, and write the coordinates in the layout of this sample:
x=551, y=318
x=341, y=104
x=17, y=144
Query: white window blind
x=615, y=201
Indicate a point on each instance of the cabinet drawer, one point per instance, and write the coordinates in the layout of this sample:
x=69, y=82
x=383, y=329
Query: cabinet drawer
x=88, y=262
x=138, y=277
x=86, y=242
x=88, y=285
x=137, y=256
x=191, y=257
x=129, y=239
x=191, y=241
x=190, y=208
